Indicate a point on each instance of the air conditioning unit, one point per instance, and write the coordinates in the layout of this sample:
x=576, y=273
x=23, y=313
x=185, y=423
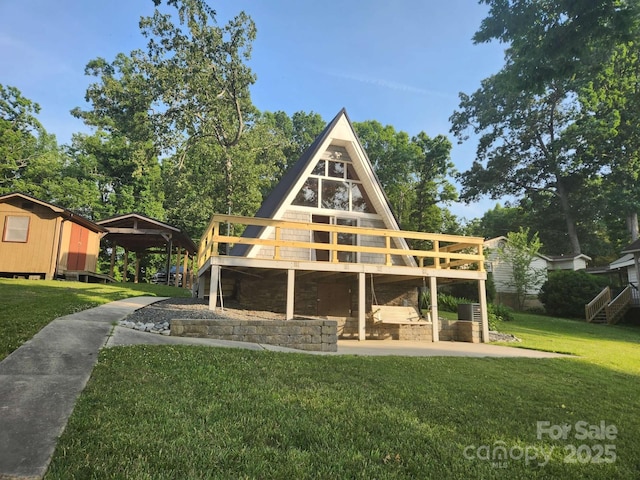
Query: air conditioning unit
x=469, y=312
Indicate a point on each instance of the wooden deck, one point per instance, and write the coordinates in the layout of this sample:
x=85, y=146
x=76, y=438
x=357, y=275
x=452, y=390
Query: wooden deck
x=430, y=258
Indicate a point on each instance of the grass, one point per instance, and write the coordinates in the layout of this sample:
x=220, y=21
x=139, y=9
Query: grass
x=29, y=305
x=614, y=347
x=191, y=412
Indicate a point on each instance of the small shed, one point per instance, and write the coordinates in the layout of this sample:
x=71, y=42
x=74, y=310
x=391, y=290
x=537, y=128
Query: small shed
x=43, y=240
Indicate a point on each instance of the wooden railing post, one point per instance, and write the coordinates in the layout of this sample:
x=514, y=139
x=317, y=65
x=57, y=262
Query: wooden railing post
x=436, y=249
x=276, y=249
x=387, y=244
x=334, y=244
x=214, y=244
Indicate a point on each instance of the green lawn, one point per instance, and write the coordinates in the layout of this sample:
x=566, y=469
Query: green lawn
x=29, y=305
x=191, y=412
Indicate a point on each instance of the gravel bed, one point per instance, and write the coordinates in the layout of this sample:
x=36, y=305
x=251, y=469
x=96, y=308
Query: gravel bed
x=156, y=318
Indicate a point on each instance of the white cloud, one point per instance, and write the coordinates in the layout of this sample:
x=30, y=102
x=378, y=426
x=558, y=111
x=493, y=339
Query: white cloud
x=383, y=83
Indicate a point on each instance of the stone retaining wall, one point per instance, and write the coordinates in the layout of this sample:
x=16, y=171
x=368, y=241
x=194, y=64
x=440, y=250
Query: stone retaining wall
x=449, y=330
x=310, y=335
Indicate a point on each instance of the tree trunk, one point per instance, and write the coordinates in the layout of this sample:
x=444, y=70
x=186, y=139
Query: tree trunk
x=572, y=231
x=632, y=225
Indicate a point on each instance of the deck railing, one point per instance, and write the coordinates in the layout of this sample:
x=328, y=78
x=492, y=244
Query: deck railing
x=635, y=294
x=618, y=306
x=592, y=308
x=441, y=251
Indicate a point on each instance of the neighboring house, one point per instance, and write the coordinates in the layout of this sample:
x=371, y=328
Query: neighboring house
x=326, y=243
x=43, y=240
x=502, y=272
x=628, y=267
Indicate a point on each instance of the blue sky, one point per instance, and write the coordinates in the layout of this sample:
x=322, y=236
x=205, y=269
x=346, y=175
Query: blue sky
x=399, y=62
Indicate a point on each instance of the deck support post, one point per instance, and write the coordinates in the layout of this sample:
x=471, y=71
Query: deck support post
x=213, y=287
x=125, y=267
x=361, y=306
x=291, y=282
x=433, y=297
x=114, y=249
x=176, y=281
x=136, y=277
x=482, y=295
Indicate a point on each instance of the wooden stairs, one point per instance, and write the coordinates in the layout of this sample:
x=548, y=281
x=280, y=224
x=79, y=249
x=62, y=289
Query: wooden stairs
x=604, y=309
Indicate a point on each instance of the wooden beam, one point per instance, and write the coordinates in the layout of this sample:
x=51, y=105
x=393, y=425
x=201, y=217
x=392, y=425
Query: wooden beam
x=185, y=270
x=291, y=283
x=125, y=268
x=137, y=272
x=433, y=297
x=399, y=270
x=362, y=308
x=213, y=287
x=114, y=249
x=482, y=295
x=136, y=231
x=176, y=280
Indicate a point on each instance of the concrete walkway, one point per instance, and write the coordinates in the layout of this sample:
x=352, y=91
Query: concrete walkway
x=40, y=381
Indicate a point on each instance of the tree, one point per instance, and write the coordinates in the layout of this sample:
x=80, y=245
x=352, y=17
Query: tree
x=612, y=99
x=526, y=144
x=414, y=174
x=557, y=40
x=555, y=50
x=518, y=252
x=198, y=74
x=393, y=157
x=26, y=149
x=498, y=221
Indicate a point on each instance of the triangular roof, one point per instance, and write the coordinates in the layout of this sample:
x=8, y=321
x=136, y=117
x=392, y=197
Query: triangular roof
x=138, y=232
x=63, y=212
x=338, y=132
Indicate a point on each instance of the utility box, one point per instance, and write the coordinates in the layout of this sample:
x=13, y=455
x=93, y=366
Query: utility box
x=469, y=312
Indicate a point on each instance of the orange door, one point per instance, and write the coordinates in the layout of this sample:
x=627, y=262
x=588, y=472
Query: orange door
x=78, y=248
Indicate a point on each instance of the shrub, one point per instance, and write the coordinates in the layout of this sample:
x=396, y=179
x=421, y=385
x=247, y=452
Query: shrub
x=566, y=293
x=449, y=303
x=501, y=312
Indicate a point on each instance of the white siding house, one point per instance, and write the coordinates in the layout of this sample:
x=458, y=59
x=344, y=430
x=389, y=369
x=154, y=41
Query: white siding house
x=502, y=271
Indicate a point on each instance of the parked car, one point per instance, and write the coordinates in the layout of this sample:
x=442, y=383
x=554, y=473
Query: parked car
x=160, y=277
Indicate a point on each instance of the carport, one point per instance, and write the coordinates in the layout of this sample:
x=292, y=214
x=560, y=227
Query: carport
x=144, y=235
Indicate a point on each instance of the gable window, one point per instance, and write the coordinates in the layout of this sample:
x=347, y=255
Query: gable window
x=16, y=229
x=334, y=185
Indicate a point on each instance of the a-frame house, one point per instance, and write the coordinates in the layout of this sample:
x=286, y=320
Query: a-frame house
x=325, y=243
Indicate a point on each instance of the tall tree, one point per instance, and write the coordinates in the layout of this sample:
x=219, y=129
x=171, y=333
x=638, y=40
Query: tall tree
x=526, y=145
x=123, y=150
x=557, y=40
x=414, y=173
x=198, y=74
x=611, y=135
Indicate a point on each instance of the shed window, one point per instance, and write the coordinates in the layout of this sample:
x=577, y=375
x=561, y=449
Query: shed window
x=16, y=229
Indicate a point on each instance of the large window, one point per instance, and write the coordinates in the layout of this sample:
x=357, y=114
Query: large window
x=334, y=185
x=16, y=229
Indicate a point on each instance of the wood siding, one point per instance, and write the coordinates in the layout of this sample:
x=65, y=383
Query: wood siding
x=48, y=241
x=37, y=256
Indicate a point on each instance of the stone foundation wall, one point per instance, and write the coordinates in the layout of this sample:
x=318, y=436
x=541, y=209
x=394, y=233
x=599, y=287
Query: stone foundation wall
x=310, y=335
